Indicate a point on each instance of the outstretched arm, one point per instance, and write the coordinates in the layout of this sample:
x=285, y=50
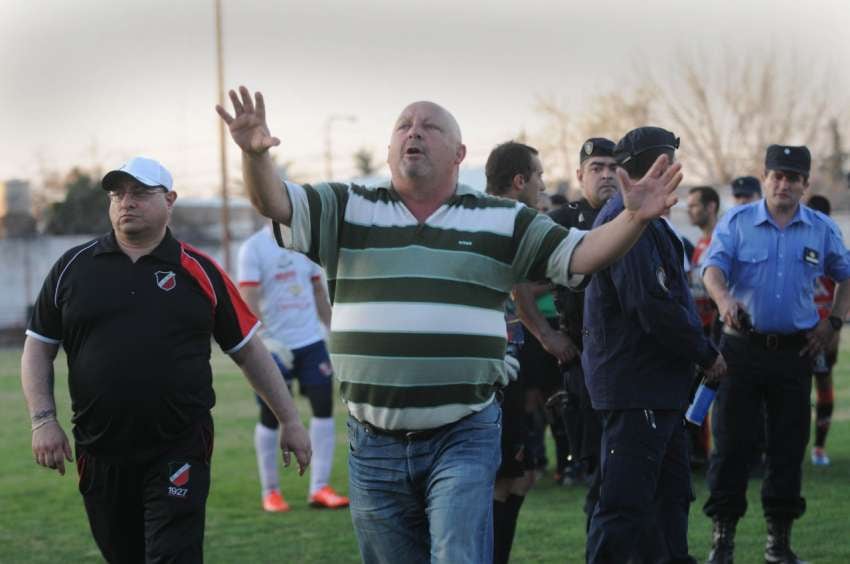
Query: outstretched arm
x=644, y=200
x=251, y=133
x=50, y=445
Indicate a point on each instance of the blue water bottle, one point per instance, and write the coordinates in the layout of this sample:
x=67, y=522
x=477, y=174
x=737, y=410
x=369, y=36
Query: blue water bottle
x=702, y=401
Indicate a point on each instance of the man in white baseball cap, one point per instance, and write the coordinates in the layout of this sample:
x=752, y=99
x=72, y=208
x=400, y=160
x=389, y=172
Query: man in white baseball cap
x=137, y=335
x=147, y=171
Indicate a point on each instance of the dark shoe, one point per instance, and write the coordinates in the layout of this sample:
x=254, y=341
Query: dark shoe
x=722, y=542
x=778, y=547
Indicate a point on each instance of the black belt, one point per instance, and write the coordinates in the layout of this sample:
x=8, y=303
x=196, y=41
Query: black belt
x=404, y=434
x=772, y=341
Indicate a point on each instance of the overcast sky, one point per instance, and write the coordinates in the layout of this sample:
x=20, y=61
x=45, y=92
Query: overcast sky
x=93, y=82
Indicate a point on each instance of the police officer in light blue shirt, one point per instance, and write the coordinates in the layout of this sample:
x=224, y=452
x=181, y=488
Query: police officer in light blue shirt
x=761, y=270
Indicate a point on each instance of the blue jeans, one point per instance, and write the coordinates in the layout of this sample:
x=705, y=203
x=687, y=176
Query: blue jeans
x=426, y=500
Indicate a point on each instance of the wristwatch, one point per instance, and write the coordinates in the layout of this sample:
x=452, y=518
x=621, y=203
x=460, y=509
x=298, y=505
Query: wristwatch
x=836, y=322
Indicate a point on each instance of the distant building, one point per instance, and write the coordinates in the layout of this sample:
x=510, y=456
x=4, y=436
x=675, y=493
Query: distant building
x=197, y=220
x=16, y=218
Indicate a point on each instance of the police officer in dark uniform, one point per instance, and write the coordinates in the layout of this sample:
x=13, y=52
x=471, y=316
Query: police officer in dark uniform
x=597, y=177
x=642, y=337
x=746, y=190
x=761, y=270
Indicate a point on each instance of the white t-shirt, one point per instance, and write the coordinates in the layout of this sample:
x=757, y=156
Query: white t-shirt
x=285, y=279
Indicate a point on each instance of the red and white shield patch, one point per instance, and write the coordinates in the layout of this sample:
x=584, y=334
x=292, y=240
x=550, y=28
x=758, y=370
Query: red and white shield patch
x=166, y=280
x=180, y=477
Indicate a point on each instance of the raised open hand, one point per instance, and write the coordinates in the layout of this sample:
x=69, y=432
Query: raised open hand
x=652, y=195
x=249, y=128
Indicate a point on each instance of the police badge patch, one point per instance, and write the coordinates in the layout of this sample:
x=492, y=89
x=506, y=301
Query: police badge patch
x=661, y=276
x=811, y=256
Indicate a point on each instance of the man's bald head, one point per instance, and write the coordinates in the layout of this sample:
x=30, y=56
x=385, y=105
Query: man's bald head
x=425, y=145
x=438, y=112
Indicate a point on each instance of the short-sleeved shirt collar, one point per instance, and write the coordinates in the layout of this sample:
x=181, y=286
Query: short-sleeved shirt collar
x=168, y=249
x=762, y=215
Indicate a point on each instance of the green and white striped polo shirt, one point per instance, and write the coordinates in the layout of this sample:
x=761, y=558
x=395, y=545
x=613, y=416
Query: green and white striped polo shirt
x=418, y=330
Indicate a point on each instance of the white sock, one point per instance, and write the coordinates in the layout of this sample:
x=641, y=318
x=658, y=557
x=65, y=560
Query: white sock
x=265, y=443
x=322, y=439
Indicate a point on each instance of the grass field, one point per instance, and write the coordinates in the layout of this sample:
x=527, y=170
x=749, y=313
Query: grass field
x=42, y=517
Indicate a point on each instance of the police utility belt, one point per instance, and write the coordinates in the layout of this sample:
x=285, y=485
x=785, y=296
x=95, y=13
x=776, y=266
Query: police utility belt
x=770, y=341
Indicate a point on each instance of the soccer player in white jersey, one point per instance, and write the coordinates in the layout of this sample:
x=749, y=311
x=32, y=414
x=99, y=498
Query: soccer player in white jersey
x=287, y=290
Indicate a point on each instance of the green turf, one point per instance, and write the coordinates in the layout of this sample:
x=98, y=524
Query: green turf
x=42, y=517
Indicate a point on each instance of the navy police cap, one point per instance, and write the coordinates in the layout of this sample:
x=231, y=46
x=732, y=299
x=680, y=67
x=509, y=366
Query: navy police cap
x=643, y=139
x=596, y=147
x=788, y=158
x=746, y=186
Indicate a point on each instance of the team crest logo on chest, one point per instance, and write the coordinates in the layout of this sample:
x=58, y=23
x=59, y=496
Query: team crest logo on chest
x=165, y=280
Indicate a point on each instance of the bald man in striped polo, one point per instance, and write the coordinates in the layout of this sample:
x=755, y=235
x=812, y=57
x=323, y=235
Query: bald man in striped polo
x=418, y=271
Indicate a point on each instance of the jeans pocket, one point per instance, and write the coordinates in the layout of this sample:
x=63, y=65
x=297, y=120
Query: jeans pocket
x=488, y=418
x=354, y=430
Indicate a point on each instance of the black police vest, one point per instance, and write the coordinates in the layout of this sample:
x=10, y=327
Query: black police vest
x=570, y=305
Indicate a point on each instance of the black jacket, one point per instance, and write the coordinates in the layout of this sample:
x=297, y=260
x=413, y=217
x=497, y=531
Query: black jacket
x=642, y=334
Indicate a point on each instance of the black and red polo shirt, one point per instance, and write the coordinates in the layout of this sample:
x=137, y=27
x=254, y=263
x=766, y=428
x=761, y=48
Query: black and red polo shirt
x=137, y=337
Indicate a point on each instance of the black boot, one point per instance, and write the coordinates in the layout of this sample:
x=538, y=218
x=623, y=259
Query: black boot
x=722, y=541
x=778, y=547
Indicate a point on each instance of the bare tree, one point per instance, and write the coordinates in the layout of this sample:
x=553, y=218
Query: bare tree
x=726, y=109
x=609, y=115
x=556, y=139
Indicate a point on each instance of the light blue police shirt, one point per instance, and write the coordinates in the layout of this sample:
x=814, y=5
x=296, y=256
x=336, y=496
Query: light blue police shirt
x=773, y=271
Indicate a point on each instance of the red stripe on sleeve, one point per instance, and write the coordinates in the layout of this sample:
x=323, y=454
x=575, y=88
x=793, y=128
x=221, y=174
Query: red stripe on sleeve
x=245, y=318
x=196, y=271
x=249, y=284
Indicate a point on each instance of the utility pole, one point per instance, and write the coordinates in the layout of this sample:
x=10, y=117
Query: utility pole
x=329, y=158
x=225, y=202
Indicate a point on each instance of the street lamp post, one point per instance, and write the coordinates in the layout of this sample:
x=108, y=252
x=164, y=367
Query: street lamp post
x=329, y=159
x=222, y=146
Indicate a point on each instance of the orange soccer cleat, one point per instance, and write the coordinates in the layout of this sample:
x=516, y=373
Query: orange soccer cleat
x=273, y=502
x=328, y=498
